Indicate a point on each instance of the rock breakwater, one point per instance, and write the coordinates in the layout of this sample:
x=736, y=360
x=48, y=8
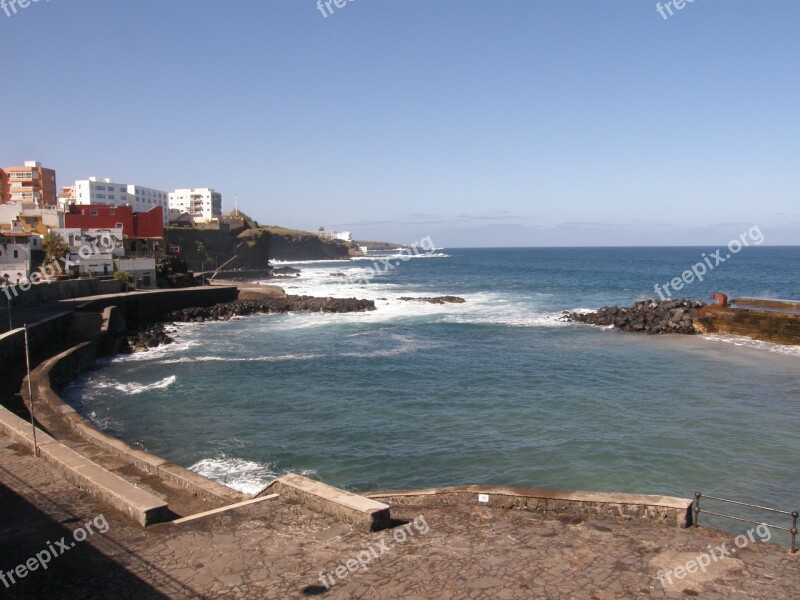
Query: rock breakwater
x=435, y=300
x=647, y=316
x=241, y=308
x=151, y=337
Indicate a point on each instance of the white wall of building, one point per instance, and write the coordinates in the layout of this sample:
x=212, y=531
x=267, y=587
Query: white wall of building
x=96, y=258
x=105, y=191
x=203, y=204
x=142, y=269
x=15, y=256
x=344, y=236
x=144, y=199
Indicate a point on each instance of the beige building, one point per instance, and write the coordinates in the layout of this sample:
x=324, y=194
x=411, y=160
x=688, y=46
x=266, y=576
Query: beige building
x=29, y=183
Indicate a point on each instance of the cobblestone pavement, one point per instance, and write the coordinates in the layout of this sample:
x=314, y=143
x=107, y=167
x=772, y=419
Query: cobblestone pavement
x=275, y=550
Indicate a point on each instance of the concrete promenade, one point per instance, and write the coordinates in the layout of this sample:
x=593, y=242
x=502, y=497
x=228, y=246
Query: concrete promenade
x=276, y=550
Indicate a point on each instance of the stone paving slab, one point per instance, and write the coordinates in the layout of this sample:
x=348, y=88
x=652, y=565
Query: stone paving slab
x=279, y=550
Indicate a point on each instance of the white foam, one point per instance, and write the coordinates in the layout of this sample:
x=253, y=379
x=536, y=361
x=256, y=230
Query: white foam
x=137, y=388
x=159, y=352
x=746, y=342
x=259, y=359
x=582, y=311
x=102, y=423
x=398, y=253
x=245, y=476
x=242, y=475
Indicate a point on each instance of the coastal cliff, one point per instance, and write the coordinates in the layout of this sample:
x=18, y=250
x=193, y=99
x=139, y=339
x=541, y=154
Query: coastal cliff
x=254, y=248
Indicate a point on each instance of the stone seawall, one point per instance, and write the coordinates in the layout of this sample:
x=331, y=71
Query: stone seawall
x=63, y=290
x=41, y=336
x=760, y=324
x=144, y=307
x=657, y=509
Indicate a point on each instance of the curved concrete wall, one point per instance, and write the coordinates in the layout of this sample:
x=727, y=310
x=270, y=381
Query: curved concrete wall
x=40, y=336
x=56, y=372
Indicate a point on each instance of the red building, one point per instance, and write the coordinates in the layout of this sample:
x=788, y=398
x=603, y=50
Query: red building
x=148, y=224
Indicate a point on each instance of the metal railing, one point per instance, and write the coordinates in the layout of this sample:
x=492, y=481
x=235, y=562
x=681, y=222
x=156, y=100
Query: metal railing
x=791, y=530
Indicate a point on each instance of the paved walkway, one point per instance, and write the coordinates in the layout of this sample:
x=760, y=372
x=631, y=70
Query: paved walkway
x=276, y=550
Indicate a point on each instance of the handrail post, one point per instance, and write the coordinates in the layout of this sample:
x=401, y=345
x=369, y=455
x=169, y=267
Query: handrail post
x=697, y=508
x=793, y=531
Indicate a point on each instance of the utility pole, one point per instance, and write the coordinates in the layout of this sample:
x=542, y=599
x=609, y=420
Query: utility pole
x=10, y=324
x=30, y=391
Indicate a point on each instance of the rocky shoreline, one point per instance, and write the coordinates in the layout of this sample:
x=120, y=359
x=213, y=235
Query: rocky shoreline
x=647, y=316
x=156, y=334
x=436, y=299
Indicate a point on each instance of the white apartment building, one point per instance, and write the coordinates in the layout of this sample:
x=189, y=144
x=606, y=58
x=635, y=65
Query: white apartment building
x=104, y=191
x=203, y=204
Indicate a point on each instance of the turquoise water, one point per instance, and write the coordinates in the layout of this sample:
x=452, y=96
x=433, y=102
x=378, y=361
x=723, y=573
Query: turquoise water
x=493, y=391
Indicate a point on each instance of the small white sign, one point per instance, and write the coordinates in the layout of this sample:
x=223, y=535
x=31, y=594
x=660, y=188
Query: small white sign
x=483, y=497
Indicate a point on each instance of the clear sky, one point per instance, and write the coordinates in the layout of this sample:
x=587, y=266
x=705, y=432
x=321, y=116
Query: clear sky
x=477, y=122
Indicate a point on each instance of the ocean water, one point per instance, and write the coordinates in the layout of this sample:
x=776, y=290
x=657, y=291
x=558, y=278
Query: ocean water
x=496, y=390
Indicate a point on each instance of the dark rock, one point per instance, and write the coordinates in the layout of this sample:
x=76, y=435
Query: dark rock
x=436, y=300
x=282, y=304
x=150, y=337
x=648, y=316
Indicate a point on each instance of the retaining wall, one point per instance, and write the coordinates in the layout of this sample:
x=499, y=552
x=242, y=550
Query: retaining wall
x=767, y=325
x=360, y=512
x=144, y=307
x=41, y=336
x=63, y=290
x=657, y=509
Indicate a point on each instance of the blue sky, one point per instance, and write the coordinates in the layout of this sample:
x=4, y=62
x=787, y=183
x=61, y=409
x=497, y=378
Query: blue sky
x=479, y=123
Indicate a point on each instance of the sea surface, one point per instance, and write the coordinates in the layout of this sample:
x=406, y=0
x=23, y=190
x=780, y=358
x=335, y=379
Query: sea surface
x=496, y=390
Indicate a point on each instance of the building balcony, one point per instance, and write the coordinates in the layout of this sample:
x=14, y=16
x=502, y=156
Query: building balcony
x=23, y=176
x=25, y=196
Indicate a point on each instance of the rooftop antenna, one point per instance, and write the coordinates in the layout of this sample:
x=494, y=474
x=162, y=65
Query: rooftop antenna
x=236, y=203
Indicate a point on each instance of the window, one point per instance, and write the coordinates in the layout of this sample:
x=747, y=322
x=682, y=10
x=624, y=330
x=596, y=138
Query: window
x=93, y=213
x=112, y=212
x=16, y=253
x=118, y=225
